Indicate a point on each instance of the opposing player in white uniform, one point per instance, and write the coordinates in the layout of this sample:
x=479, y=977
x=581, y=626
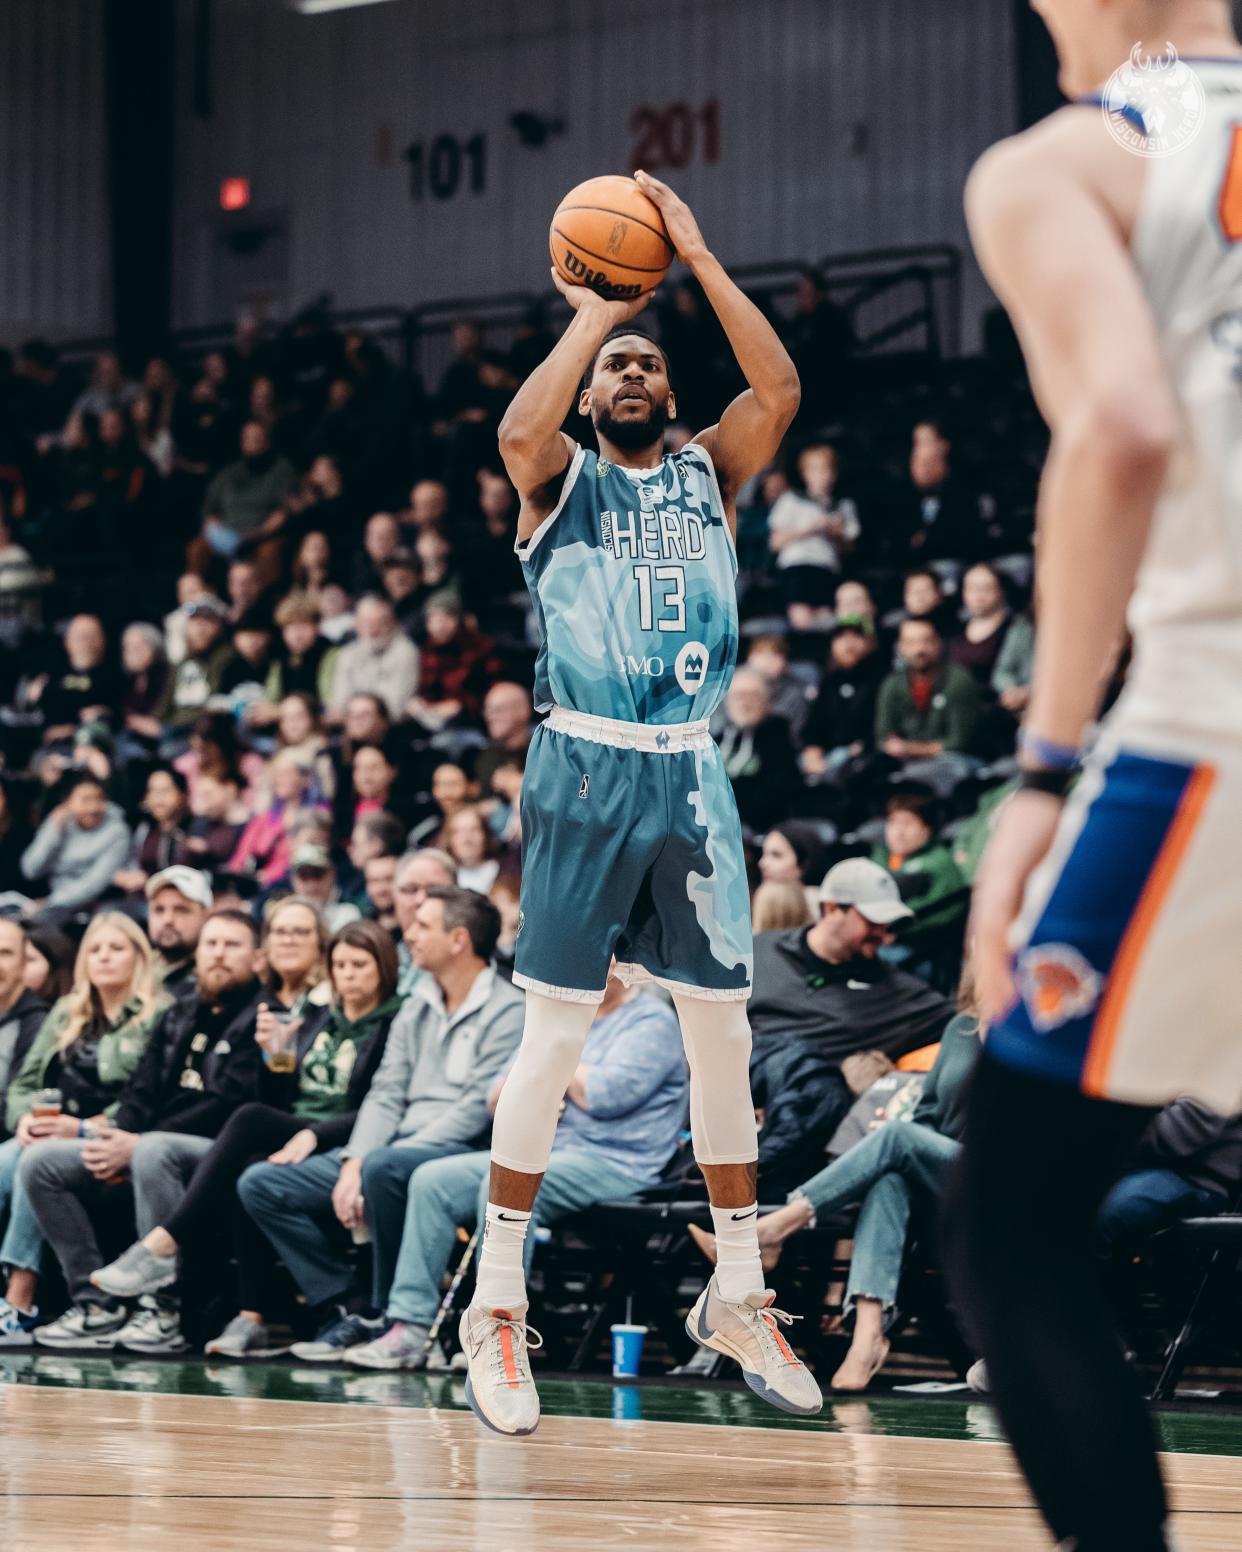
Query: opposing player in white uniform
x=1108, y=927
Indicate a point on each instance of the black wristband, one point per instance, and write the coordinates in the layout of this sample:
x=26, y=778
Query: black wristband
x=1054, y=783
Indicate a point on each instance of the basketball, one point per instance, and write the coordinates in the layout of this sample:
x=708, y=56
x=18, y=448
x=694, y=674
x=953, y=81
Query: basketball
x=606, y=234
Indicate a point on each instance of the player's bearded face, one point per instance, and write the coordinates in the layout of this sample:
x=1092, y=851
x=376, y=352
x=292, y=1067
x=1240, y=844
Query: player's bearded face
x=634, y=416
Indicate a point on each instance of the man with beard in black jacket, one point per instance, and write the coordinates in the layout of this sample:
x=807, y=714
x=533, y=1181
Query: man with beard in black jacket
x=200, y=1064
x=820, y=995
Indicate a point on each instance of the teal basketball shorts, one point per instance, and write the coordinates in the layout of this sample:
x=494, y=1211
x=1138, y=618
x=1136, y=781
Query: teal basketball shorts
x=631, y=845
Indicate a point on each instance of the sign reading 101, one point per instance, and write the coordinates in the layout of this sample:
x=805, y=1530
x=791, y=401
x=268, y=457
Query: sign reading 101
x=446, y=165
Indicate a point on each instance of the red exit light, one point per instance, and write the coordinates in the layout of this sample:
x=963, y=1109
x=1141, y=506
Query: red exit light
x=234, y=193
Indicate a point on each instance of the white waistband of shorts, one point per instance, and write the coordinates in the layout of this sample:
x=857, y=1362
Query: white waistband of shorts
x=654, y=738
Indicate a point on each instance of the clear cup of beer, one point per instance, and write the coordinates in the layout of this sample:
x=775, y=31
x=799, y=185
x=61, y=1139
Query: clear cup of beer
x=282, y=1054
x=46, y=1103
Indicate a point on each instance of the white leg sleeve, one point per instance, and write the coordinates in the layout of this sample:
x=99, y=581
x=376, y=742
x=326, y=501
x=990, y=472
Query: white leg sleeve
x=530, y=1102
x=716, y=1036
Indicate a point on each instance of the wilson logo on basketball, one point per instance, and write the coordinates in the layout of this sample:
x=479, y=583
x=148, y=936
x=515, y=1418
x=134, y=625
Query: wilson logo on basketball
x=583, y=275
x=1057, y=984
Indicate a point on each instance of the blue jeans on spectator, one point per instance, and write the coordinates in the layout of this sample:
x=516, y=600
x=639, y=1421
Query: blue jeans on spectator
x=453, y=1192
x=1142, y=1203
x=23, y=1240
x=881, y=1172
x=388, y=1193
x=292, y=1205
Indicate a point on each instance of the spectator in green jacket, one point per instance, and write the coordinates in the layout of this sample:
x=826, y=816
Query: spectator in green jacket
x=244, y=508
x=927, y=711
x=930, y=881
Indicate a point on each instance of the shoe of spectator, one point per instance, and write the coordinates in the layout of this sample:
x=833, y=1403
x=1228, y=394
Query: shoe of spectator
x=333, y=1340
x=977, y=1378
x=155, y=1328
x=402, y=1346
x=499, y=1386
x=136, y=1271
x=16, y=1328
x=85, y=1325
x=240, y=1337
x=750, y=1332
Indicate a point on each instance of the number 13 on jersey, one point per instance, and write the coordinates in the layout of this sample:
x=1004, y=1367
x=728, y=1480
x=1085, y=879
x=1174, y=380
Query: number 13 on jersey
x=671, y=583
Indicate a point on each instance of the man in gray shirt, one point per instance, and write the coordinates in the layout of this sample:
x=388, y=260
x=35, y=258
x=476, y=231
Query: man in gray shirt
x=454, y=1035
x=77, y=849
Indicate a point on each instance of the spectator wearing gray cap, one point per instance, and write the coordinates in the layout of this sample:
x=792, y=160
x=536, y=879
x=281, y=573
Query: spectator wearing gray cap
x=313, y=877
x=821, y=995
x=178, y=902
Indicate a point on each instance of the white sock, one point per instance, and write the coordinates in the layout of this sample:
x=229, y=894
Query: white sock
x=738, y=1269
x=500, y=1282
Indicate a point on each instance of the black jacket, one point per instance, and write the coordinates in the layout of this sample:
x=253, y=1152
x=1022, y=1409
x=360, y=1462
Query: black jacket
x=863, y=1005
x=844, y=709
x=763, y=768
x=281, y=1090
x=18, y=1028
x=806, y=1017
x=155, y=1100
x=1204, y=1148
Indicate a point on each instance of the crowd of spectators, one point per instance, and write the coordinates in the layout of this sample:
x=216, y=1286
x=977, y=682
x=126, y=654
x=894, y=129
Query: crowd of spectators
x=265, y=658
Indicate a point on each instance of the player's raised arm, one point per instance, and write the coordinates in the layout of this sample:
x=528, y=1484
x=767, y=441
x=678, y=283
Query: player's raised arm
x=1056, y=256
x=751, y=428
x=534, y=448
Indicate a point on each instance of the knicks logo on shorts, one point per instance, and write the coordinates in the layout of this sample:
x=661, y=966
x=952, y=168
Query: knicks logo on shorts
x=1057, y=984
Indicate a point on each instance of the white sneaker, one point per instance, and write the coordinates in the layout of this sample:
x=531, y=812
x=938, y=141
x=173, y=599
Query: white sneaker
x=499, y=1386
x=750, y=1332
x=977, y=1378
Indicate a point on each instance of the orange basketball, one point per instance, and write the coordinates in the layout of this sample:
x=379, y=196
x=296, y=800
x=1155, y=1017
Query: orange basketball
x=606, y=234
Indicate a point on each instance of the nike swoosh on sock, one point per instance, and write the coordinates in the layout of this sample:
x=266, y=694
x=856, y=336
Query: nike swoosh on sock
x=738, y=1217
x=514, y=1217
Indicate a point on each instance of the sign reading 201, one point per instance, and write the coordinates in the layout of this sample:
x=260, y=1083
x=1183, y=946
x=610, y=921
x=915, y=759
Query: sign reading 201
x=675, y=135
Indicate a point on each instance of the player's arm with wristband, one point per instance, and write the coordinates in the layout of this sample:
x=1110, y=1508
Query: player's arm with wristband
x=1054, y=248
x=752, y=426
x=534, y=449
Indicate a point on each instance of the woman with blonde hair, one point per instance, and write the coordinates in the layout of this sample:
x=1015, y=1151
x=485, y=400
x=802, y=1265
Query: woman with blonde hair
x=86, y=1050
x=779, y=904
x=295, y=945
x=898, y=1163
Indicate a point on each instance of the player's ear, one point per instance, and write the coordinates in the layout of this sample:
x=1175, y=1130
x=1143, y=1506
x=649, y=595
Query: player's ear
x=584, y=403
x=672, y=405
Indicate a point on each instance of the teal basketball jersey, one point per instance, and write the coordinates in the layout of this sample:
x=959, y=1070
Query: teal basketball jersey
x=634, y=581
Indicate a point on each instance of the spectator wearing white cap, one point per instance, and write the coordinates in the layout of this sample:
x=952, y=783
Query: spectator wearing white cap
x=821, y=995
x=178, y=902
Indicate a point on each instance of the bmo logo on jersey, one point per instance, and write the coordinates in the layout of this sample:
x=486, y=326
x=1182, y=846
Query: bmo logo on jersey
x=690, y=667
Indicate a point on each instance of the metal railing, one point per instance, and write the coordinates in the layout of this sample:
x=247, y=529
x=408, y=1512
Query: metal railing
x=896, y=299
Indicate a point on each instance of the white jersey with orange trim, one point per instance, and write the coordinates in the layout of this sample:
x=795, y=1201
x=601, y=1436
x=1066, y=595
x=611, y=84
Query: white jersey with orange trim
x=1184, y=690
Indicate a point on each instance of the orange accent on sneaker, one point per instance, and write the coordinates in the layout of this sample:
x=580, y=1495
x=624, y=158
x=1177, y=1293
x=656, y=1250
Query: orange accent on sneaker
x=506, y=1350
x=780, y=1340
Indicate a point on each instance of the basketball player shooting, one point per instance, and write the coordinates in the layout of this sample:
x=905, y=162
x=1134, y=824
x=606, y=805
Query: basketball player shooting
x=1106, y=926
x=631, y=839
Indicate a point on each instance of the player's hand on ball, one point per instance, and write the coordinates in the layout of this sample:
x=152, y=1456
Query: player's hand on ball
x=616, y=312
x=683, y=229
x=1023, y=834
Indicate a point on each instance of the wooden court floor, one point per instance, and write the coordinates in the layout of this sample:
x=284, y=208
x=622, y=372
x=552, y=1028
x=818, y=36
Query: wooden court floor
x=137, y=1472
